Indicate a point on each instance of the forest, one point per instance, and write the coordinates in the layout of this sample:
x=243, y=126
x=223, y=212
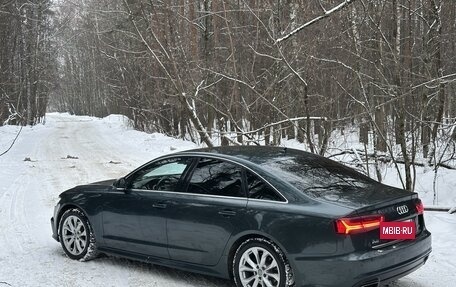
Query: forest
x=243, y=72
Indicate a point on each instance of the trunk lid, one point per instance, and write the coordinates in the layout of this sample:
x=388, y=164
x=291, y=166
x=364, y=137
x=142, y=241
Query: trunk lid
x=360, y=196
x=402, y=208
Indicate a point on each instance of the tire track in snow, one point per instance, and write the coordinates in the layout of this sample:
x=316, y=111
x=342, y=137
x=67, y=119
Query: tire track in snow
x=10, y=220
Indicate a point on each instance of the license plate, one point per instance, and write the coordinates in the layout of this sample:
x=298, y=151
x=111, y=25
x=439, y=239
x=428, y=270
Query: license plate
x=398, y=230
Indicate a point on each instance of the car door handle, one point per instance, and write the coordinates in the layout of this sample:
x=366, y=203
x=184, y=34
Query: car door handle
x=160, y=205
x=227, y=213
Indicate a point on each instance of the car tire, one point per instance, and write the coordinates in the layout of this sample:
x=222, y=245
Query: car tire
x=76, y=236
x=270, y=266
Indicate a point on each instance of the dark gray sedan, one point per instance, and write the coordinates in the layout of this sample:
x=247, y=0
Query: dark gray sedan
x=262, y=216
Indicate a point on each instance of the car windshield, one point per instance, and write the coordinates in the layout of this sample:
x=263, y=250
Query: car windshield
x=316, y=176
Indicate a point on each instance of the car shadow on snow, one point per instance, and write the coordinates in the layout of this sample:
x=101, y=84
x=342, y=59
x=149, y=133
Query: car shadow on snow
x=405, y=282
x=143, y=274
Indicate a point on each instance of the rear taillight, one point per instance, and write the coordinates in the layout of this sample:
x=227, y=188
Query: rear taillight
x=353, y=225
x=419, y=207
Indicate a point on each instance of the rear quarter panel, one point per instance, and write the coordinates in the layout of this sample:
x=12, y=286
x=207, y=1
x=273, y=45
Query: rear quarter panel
x=298, y=229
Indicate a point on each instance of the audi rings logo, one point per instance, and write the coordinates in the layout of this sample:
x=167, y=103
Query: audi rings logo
x=403, y=209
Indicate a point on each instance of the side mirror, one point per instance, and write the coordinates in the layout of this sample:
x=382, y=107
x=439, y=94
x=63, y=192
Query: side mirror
x=121, y=184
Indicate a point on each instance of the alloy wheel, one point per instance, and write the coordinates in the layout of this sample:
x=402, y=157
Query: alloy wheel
x=259, y=268
x=74, y=235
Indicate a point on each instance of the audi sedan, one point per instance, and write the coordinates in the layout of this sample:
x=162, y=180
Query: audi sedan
x=261, y=216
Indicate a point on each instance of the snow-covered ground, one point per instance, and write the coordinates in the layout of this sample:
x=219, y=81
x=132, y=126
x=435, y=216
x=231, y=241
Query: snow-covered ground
x=70, y=150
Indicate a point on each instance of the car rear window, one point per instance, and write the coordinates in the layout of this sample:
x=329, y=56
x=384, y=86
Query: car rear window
x=316, y=176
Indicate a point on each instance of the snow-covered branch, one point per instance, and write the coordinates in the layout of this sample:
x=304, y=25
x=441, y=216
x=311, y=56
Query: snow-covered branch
x=325, y=14
x=191, y=107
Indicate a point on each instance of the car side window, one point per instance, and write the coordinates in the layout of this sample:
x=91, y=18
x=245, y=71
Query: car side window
x=258, y=189
x=163, y=175
x=216, y=177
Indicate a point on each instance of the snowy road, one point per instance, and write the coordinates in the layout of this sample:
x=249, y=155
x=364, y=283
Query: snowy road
x=107, y=149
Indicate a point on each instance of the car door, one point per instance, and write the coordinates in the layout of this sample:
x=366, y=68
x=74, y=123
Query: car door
x=203, y=218
x=134, y=220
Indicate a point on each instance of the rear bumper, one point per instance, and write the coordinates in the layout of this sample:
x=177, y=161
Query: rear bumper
x=364, y=269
